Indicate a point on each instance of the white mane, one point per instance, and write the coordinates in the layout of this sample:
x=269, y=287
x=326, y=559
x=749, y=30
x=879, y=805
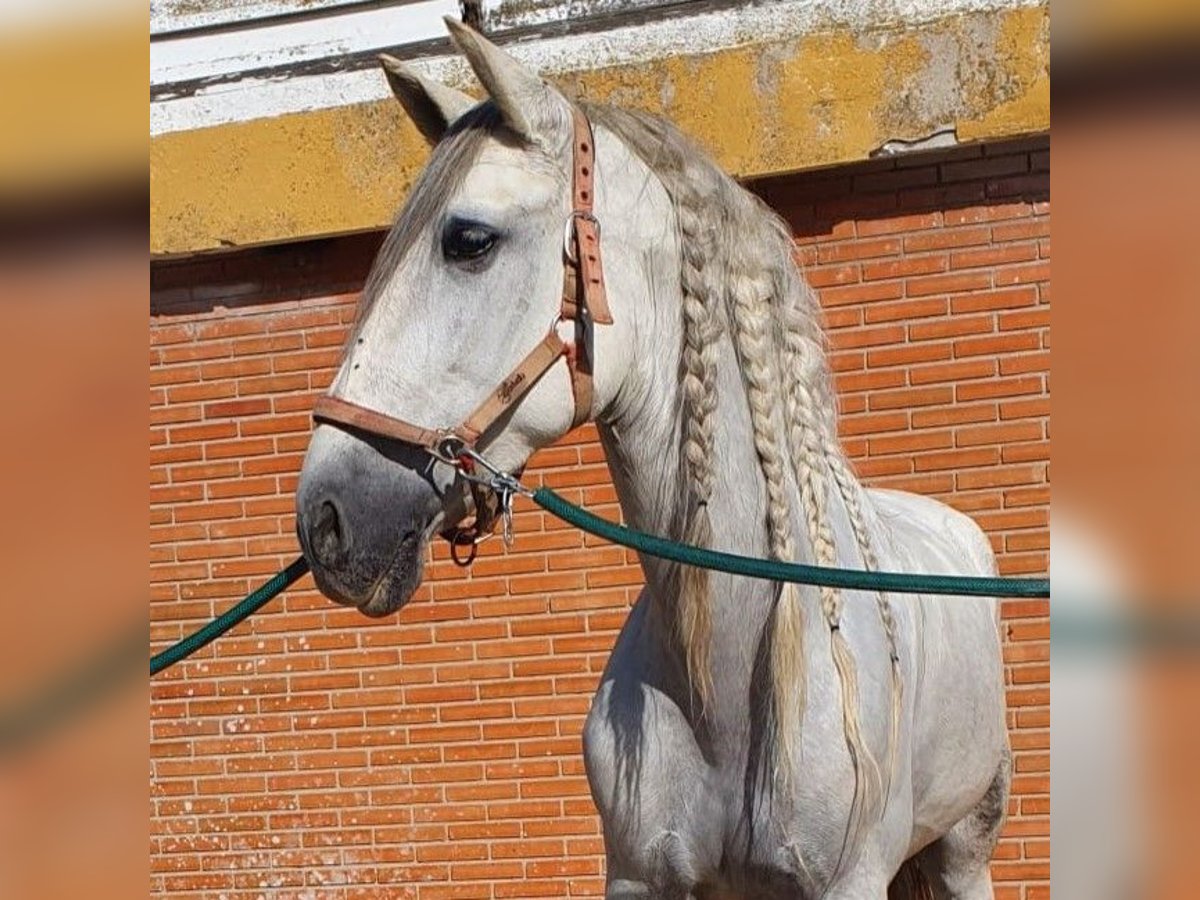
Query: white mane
x=739, y=277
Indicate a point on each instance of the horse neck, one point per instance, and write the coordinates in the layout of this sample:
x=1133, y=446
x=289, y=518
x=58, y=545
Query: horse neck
x=642, y=445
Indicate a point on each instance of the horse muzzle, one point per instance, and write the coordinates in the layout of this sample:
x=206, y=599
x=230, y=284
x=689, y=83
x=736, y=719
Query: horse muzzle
x=364, y=516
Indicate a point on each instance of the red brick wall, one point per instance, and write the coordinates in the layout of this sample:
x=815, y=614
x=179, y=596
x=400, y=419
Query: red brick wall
x=435, y=754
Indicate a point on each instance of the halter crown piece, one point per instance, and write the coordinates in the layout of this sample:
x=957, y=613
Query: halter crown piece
x=583, y=299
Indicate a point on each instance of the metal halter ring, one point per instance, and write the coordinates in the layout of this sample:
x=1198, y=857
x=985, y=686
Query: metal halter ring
x=449, y=449
x=464, y=537
x=569, y=232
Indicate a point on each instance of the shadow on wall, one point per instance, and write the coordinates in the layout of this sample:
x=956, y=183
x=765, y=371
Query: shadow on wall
x=821, y=204
x=259, y=275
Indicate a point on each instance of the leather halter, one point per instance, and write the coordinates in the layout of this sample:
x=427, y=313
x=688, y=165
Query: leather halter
x=584, y=301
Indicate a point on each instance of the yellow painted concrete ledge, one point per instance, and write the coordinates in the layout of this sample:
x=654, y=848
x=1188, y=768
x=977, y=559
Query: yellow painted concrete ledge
x=761, y=109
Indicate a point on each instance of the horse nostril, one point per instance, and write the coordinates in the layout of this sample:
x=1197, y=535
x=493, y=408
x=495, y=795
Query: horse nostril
x=328, y=539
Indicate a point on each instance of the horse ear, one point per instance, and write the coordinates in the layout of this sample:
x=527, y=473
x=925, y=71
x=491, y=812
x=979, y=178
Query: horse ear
x=530, y=107
x=431, y=106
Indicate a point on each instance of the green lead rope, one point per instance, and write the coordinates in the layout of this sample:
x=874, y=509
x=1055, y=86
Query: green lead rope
x=774, y=570
x=279, y=583
x=769, y=569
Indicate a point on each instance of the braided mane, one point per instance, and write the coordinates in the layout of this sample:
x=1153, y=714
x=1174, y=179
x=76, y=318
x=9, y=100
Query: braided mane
x=739, y=277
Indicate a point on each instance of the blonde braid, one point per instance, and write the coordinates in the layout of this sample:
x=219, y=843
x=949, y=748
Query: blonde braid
x=811, y=433
x=701, y=333
x=849, y=488
x=816, y=448
x=805, y=338
x=751, y=314
x=806, y=447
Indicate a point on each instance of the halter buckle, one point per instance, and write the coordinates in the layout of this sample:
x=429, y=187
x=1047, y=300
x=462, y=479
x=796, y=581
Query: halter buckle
x=569, y=233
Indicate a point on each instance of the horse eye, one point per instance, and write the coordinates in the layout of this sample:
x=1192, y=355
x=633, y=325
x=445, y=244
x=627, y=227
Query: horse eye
x=463, y=241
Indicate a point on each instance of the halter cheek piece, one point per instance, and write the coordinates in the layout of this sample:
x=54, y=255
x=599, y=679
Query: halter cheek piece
x=584, y=302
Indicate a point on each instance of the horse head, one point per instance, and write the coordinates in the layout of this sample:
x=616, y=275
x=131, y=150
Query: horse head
x=468, y=280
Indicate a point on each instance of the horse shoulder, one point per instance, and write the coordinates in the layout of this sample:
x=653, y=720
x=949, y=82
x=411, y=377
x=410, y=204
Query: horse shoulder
x=647, y=774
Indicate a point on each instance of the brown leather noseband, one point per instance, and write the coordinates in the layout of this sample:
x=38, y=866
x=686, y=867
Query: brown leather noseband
x=584, y=301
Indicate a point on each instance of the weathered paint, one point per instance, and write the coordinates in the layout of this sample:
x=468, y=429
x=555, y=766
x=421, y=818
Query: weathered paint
x=174, y=15
x=267, y=70
x=327, y=172
x=205, y=55
x=762, y=107
x=1025, y=42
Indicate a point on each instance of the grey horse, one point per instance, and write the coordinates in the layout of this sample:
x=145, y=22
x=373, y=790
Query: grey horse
x=747, y=739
